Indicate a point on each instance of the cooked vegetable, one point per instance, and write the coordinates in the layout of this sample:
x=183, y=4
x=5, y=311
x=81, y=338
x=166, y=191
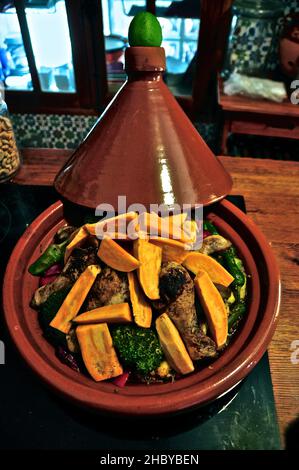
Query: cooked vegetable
x=46, y=314
x=67, y=358
x=236, y=314
x=116, y=257
x=44, y=280
x=172, y=250
x=138, y=348
x=74, y=300
x=117, y=313
x=213, y=306
x=189, y=327
x=77, y=241
x=213, y=244
x=122, y=379
x=142, y=311
x=231, y=299
x=114, y=224
x=196, y=262
x=53, y=270
x=72, y=341
x=64, y=233
x=50, y=275
x=176, y=219
x=241, y=290
x=150, y=259
x=232, y=267
x=207, y=225
x=52, y=255
x=173, y=346
x=98, y=353
x=163, y=227
x=190, y=230
x=164, y=370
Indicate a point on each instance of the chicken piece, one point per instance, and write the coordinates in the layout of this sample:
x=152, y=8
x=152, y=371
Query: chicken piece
x=213, y=244
x=177, y=299
x=110, y=287
x=77, y=263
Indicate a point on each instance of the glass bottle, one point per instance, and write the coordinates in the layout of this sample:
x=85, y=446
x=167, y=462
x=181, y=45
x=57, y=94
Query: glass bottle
x=9, y=153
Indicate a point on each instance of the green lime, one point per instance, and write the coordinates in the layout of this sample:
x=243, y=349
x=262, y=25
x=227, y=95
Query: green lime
x=145, y=30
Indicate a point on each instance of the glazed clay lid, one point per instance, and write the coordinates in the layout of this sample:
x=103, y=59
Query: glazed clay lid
x=144, y=147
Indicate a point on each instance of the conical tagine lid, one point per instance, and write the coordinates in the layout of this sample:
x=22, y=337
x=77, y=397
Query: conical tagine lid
x=143, y=147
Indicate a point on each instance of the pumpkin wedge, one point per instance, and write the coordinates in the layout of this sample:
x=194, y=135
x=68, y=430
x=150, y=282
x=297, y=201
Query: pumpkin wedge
x=172, y=344
x=176, y=219
x=213, y=306
x=77, y=241
x=142, y=311
x=154, y=225
x=116, y=313
x=116, y=257
x=190, y=230
x=196, y=262
x=150, y=259
x=75, y=298
x=98, y=353
x=172, y=250
x=114, y=224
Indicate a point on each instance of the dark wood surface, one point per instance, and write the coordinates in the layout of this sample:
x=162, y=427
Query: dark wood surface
x=271, y=191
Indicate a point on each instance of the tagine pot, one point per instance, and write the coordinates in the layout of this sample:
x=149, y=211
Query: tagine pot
x=144, y=147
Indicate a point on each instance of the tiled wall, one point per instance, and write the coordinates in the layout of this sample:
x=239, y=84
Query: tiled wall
x=51, y=130
x=66, y=131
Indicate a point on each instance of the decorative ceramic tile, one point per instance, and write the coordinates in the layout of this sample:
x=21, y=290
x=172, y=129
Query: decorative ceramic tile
x=253, y=47
x=67, y=131
x=51, y=131
x=291, y=6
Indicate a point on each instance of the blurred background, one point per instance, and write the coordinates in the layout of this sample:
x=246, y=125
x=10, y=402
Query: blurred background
x=232, y=65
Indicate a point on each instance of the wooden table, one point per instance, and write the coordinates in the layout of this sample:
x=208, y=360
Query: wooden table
x=271, y=190
x=244, y=115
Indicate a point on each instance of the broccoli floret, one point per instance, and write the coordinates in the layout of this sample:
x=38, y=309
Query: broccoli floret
x=47, y=312
x=138, y=348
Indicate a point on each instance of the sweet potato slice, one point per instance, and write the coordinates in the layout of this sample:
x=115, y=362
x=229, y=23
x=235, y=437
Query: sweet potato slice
x=116, y=313
x=116, y=257
x=173, y=346
x=213, y=306
x=176, y=219
x=196, y=262
x=142, y=311
x=190, y=230
x=150, y=259
x=98, y=353
x=77, y=241
x=74, y=300
x=112, y=225
x=172, y=250
x=164, y=227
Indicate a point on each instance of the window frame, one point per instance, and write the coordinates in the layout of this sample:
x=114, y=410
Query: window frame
x=85, y=25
